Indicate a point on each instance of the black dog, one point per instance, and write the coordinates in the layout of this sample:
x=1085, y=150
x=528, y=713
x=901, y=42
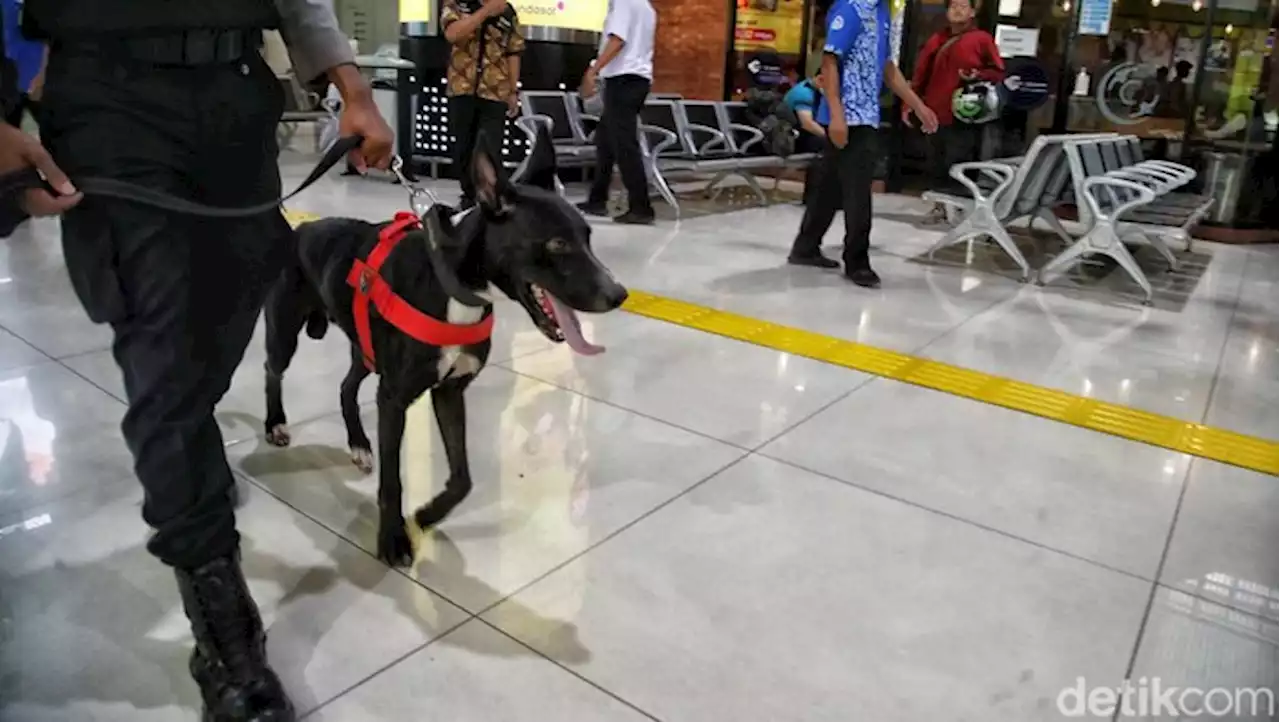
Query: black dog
x=522, y=238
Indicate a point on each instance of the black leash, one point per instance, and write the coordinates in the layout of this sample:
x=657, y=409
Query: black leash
x=29, y=178
x=434, y=218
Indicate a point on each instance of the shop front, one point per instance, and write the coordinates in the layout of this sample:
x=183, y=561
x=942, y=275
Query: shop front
x=1195, y=79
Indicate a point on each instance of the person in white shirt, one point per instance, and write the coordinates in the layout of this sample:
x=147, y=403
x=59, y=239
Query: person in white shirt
x=625, y=63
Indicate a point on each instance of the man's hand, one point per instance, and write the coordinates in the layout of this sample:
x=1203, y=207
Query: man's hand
x=513, y=106
x=360, y=116
x=928, y=119
x=493, y=8
x=839, y=131
x=19, y=150
x=906, y=115
x=589, y=82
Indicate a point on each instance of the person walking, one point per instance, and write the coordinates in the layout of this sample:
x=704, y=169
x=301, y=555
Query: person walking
x=856, y=63
x=176, y=97
x=956, y=54
x=625, y=63
x=484, y=74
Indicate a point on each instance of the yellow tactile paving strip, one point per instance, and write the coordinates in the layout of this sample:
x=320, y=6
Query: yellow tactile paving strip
x=1164, y=431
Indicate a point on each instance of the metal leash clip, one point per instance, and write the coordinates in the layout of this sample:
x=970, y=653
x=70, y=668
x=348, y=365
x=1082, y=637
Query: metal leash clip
x=420, y=199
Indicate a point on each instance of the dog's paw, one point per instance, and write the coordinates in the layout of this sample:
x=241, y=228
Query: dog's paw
x=279, y=435
x=394, y=546
x=363, y=459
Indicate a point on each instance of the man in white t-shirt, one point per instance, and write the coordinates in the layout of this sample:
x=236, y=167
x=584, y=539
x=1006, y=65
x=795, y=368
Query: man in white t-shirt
x=625, y=63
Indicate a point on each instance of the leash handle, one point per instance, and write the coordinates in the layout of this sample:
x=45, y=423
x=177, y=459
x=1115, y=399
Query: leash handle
x=29, y=178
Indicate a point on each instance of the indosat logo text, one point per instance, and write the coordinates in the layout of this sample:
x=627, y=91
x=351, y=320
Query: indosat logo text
x=567, y=14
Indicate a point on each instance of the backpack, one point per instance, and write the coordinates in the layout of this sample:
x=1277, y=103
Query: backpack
x=767, y=113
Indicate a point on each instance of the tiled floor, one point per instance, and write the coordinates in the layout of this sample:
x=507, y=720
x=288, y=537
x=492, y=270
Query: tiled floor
x=687, y=528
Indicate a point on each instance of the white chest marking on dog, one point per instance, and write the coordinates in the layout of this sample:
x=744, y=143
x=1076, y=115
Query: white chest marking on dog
x=453, y=361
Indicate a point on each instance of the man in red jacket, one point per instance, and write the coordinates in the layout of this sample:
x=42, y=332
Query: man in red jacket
x=957, y=53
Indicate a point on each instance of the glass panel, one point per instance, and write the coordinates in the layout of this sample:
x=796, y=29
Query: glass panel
x=1047, y=22
x=772, y=29
x=1233, y=142
x=1138, y=78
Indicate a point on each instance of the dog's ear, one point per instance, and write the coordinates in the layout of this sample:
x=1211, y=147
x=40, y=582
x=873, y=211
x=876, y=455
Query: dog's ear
x=541, y=168
x=488, y=174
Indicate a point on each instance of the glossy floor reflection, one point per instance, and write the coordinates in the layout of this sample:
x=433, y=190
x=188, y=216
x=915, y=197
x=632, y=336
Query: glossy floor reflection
x=688, y=528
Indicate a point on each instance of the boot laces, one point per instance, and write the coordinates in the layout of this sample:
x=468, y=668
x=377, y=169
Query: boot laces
x=232, y=630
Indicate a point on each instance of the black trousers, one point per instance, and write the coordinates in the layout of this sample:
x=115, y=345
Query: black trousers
x=469, y=115
x=182, y=294
x=618, y=142
x=955, y=143
x=810, y=143
x=842, y=181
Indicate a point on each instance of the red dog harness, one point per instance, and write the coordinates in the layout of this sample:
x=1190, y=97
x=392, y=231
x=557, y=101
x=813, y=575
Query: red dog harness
x=372, y=288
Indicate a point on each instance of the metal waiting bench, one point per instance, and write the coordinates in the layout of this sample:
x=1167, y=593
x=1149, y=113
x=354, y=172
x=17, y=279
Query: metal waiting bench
x=707, y=143
x=556, y=111
x=1028, y=186
x=1120, y=203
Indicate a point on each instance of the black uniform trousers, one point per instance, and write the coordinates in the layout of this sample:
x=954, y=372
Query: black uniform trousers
x=470, y=115
x=618, y=143
x=182, y=294
x=842, y=181
x=955, y=143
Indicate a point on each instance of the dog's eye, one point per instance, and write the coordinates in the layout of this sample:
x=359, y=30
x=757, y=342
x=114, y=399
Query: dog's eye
x=558, y=245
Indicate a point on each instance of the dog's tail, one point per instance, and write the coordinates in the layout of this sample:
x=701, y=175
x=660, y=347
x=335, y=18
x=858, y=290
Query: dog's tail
x=317, y=324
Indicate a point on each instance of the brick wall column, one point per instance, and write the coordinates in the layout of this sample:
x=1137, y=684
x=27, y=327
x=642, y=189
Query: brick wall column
x=690, y=47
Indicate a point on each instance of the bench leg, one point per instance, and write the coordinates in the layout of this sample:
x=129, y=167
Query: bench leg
x=655, y=176
x=713, y=189
x=754, y=185
x=1101, y=238
x=1157, y=242
x=981, y=221
x=1055, y=224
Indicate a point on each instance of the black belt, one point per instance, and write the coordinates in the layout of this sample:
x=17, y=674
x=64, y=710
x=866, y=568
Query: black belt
x=189, y=48
x=28, y=178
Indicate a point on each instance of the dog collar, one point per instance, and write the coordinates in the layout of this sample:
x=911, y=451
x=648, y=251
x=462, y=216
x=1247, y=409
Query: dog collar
x=371, y=288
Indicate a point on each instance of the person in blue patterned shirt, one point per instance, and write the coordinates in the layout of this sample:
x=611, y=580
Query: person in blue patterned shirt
x=856, y=63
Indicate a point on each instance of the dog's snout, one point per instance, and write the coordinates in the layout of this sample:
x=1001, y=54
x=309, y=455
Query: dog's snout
x=615, y=294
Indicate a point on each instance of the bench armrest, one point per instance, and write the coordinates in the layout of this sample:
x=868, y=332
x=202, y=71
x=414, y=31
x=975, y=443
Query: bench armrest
x=718, y=139
x=1003, y=175
x=666, y=139
x=1157, y=184
x=1110, y=184
x=584, y=118
x=757, y=136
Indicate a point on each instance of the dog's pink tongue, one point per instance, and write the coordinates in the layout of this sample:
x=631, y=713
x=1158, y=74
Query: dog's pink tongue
x=572, y=330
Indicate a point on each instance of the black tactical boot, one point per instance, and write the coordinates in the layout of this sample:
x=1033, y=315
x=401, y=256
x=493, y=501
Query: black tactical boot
x=229, y=662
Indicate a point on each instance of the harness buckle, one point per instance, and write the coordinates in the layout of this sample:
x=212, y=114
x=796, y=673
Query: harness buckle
x=420, y=199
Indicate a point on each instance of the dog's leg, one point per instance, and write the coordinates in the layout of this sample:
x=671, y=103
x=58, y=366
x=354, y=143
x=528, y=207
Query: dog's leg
x=394, y=546
x=451, y=415
x=285, y=316
x=357, y=440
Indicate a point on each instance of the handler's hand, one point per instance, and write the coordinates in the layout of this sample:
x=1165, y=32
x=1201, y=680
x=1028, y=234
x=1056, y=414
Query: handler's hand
x=361, y=117
x=18, y=150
